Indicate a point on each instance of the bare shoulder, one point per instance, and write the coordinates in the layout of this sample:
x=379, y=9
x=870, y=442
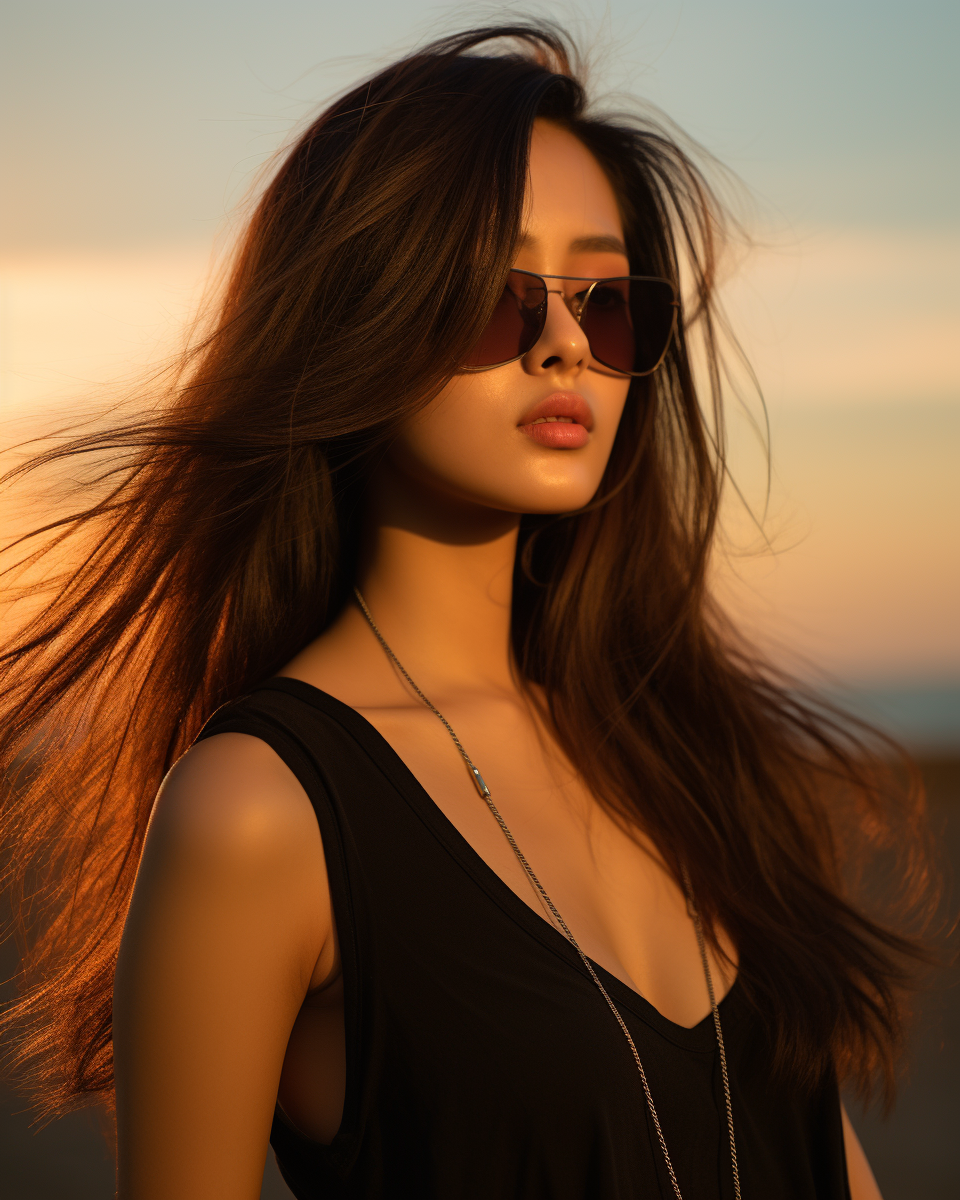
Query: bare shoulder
x=231, y=803
x=229, y=928
x=233, y=847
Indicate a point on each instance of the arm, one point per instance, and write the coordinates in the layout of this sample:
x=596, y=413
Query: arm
x=230, y=918
x=863, y=1186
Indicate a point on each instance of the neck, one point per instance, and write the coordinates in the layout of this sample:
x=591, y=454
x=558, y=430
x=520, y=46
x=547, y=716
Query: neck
x=437, y=576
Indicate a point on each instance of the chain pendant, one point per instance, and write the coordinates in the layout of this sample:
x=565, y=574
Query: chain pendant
x=478, y=780
x=484, y=792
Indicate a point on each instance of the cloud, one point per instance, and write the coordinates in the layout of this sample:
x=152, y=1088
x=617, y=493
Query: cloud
x=72, y=321
x=851, y=316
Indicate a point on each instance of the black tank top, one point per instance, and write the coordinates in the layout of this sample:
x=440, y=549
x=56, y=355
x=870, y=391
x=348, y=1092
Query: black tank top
x=482, y=1061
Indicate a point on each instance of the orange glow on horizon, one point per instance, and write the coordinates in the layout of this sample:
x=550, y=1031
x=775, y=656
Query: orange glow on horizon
x=853, y=339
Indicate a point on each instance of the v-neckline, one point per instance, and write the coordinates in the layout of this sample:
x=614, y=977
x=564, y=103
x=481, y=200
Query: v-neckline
x=691, y=1037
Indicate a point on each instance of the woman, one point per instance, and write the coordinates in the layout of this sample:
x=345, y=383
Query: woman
x=487, y=862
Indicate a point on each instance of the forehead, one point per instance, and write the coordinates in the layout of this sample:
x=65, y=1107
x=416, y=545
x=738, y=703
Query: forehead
x=568, y=195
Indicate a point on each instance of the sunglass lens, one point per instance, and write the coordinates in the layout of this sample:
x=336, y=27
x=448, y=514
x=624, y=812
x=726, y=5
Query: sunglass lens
x=628, y=323
x=516, y=322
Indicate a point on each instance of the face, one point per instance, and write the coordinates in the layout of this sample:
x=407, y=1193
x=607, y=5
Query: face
x=534, y=435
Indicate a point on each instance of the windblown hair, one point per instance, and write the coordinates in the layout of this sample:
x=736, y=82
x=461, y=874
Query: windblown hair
x=220, y=536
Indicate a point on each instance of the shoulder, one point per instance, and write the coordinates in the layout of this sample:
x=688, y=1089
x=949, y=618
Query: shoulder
x=346, y=662
x=229, y=926
x=233, y=857
x=231, y=800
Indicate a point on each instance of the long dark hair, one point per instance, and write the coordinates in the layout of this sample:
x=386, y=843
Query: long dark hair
x=217, y=537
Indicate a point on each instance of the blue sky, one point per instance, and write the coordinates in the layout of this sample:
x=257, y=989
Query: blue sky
x=133, y=122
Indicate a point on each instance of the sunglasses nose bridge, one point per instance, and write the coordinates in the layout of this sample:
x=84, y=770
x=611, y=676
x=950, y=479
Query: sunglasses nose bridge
x=573, y=338
x=639, y=338
x=577, y=302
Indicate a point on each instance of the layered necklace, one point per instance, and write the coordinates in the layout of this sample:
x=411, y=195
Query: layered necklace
x=484, y=792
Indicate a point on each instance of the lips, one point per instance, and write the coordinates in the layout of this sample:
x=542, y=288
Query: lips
x=561, y=421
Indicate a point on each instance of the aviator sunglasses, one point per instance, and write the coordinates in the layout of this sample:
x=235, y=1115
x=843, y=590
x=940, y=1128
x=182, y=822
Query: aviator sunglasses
x=628, y=320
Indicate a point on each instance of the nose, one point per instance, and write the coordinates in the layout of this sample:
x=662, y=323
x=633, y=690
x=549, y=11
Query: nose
x=562, y=346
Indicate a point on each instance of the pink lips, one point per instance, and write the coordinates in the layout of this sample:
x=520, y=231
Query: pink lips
x=562, y=421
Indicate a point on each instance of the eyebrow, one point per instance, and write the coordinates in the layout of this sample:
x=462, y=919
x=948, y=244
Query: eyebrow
x=597, y=244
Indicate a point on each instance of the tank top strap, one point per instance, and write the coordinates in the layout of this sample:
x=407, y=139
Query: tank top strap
x=481, y=1059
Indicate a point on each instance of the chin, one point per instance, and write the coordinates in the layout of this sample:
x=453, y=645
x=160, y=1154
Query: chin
x=564, y=494
x=544, y=501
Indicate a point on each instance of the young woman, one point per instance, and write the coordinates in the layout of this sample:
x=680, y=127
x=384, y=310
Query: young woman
x=487, y=862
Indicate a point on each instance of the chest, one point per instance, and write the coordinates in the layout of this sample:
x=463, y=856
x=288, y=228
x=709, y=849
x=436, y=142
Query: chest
x=607, y=881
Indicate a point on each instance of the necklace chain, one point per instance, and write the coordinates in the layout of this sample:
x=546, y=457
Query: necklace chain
x=484, y=792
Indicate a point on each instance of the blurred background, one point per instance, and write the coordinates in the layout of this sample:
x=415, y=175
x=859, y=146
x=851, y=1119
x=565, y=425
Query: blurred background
x=132, y=133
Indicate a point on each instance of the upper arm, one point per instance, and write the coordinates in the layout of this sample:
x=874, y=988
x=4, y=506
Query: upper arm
x=229, y=916
x=863, y=1186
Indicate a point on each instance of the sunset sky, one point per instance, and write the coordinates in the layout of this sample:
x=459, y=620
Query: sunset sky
x=132, y=131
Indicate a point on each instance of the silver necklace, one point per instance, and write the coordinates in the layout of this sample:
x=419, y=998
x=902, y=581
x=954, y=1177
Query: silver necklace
x=484, y=792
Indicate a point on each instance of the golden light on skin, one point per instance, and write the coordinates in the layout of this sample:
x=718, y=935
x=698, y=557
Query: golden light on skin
x=571, y=227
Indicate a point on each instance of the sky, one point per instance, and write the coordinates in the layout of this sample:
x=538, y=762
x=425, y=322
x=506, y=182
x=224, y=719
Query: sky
x=128, y=120
x=131, y=132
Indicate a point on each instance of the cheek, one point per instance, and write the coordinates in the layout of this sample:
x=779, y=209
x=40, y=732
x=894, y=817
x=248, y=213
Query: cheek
x=466, y=442
x=460, y=427
x=469, y=431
